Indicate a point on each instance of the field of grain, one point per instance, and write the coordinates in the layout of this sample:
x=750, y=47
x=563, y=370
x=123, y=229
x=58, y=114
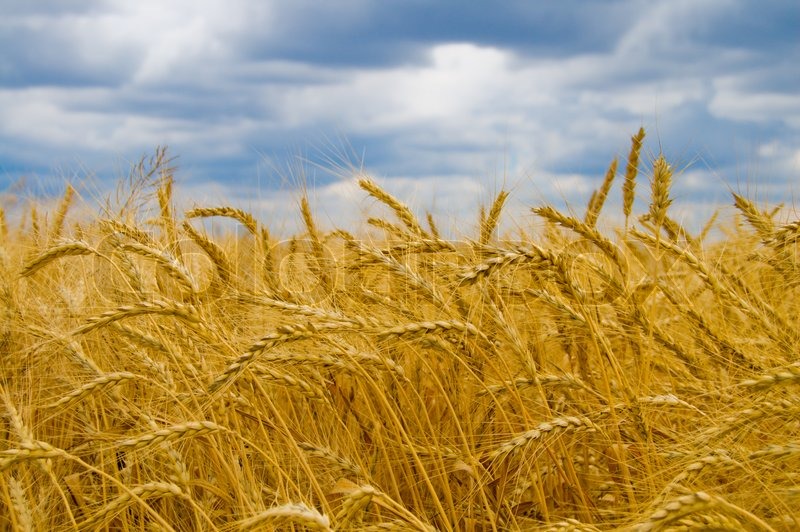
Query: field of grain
x=156, y=376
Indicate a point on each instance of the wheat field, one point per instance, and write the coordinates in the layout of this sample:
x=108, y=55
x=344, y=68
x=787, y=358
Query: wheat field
x=156, y=375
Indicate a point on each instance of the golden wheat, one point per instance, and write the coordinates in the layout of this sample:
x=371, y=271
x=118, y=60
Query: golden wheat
x=568, y=378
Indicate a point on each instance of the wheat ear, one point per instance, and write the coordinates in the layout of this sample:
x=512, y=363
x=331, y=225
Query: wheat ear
x=317, y=251
x=661, y=183
x=589, y=233
x=401, y=210
x=183, y=430
x=261, y=235
x=129, y=231
x=760, y=221
x=368, y=254
x=3, y=225
x=534, y=255
x=713, y=522
x=554, y=426
x=61, y=213
x=349, y=361
x=716, y=286
x=290, y=381
x=184, y=312
x=432, y=225
x=71, y=248
x=489, y=225
x=214, y=252
x=564, y=381
x=786, y=375
x=331, y=457
x=298, y=513
x=104, y=381
x=776, y=452
x=785, y=235
x=408, y=330
x=284, y=333
x=168, y=224
x=389, y=228
x=20, y=505
x=571, y=525
x=629, y=186
x=145, y=491
x=599, y=197
x=243, y=217
x=174, y=268
x=674, y=510
x=29, y=450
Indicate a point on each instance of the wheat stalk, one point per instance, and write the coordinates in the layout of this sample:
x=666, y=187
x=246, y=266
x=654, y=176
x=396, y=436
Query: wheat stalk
x=355, y=501
x=396, y=526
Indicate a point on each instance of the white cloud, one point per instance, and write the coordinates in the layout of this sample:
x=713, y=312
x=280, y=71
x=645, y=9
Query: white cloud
x=733, y=103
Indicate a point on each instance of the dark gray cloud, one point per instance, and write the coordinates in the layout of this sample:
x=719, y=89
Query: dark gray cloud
x=398, y=32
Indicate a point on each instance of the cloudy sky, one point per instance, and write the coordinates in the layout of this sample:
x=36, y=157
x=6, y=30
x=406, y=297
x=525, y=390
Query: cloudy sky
x=444, y=102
